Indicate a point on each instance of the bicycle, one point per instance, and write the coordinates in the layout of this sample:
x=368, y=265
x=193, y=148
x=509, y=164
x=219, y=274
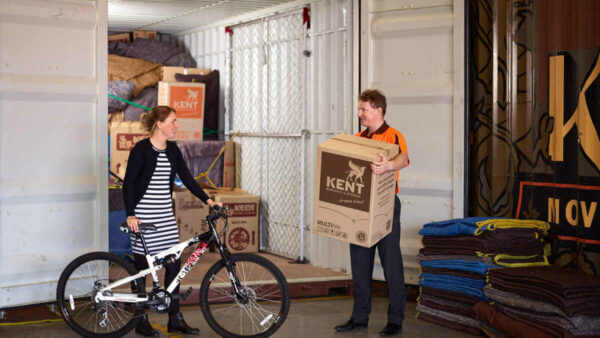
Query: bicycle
x=241, y=295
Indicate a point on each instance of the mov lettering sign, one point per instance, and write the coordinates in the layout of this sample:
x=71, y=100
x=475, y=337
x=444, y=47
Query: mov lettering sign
x=345, y=181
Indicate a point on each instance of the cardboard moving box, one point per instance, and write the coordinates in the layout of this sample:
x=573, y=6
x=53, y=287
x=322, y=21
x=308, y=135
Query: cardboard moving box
x=188, y=100
x=351, y=202
x=123, y=136
x=123, y=37
x=189, y=213
x=167, y=73
x=151, y=35
x=242, y=234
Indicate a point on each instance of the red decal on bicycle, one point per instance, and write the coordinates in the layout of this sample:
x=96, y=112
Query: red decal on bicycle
x=196, y=254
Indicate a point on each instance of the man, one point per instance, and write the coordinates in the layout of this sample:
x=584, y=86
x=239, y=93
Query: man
x=371, y=112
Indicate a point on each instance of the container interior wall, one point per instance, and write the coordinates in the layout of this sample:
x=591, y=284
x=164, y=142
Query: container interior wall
x=323, y=109
x=53, y=143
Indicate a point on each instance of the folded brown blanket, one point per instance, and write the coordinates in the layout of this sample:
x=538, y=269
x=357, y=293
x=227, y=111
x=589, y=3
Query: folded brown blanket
x=573, y=292
x=551, y=322
x=579, y=322
x=446, y=305
x=449, y=324
x=142, y=73
x=563, y=282
x=515, y=242
x=450, y=295
x=506, y=324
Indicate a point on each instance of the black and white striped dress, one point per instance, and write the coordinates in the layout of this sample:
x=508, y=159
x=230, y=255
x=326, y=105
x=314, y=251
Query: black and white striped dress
x=156, y=207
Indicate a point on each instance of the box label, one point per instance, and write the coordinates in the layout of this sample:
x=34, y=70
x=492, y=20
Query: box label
x=345, y=181
x=126, y=141
x=241, y=209
x=187, y=101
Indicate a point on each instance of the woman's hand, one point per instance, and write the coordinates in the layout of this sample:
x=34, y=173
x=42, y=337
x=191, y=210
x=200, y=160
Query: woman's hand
x=133, y=223
x=212, y=203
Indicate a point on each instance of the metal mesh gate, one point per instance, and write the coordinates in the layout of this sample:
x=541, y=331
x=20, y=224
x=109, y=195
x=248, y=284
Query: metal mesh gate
x=266, y=105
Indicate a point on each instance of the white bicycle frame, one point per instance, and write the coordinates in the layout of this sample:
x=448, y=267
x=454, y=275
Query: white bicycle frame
x=103, y=295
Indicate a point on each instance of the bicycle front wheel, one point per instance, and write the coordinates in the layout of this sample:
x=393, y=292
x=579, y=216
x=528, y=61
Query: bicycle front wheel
x=264, y=304
x=78, y=285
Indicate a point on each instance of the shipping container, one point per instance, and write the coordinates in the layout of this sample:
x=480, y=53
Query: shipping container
x=291, y=72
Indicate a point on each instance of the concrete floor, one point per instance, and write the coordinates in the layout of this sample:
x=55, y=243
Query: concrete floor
x=312, y=318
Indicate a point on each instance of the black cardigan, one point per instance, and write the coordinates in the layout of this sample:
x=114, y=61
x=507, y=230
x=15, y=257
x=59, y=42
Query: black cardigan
x=140, y=168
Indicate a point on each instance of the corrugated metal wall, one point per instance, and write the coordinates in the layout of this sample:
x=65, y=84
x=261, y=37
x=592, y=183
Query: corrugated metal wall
x=329, y=111
x=53, y=142
x=413, y=52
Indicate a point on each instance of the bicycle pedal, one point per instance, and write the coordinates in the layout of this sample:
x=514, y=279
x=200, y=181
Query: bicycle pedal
x=183, y=295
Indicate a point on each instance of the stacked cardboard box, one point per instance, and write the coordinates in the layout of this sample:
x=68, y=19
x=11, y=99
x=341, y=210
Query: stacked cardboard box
x=123, y=136
x=188, y=100
x=151, y=35
x=122, y=37
x=352, y=203
x=167, y=73
x=242, y=234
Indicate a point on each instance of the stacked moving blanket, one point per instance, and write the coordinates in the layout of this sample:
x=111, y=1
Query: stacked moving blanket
x=456, y=257
x=541, y=302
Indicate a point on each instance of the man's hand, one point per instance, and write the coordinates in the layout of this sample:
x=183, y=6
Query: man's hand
x=385, y=165
x=133, y=223
x=382, y=166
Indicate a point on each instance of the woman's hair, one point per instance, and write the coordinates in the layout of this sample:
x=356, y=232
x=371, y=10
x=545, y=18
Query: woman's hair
x=158, y=113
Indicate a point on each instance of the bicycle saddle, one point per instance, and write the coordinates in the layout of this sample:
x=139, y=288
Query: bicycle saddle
x=142, y=227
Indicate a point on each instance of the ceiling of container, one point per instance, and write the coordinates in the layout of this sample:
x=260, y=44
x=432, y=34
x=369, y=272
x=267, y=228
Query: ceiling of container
x=173, y=16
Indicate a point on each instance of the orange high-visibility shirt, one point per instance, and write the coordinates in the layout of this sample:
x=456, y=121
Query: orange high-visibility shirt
x=388, y=134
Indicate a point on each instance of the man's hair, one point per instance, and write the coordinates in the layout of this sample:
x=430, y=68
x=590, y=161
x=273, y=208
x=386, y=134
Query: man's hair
x=375, y=98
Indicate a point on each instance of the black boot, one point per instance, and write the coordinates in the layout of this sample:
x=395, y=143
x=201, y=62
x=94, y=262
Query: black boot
x=177, y=324
x=144, y=328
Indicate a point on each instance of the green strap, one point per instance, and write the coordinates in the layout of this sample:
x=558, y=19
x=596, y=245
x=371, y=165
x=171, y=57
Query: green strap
x=207, y=131
x=131, y=103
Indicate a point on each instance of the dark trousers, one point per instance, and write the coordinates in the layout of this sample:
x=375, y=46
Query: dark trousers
x=362, y=260
x=171, y=271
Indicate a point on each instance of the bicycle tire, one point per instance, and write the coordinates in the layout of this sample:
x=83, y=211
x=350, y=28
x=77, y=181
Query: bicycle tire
x=75, y=289
x=217, y=300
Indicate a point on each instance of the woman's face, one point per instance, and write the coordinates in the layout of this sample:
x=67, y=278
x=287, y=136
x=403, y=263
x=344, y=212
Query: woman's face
x=168, y=127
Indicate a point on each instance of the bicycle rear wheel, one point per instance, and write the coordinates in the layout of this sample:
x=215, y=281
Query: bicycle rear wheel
x=79, y=283
x=267, y=298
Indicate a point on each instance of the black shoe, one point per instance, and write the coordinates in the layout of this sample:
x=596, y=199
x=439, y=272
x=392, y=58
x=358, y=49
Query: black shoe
x=177, y=324
x=351, y=325
x=390, y=329
x=144, y=328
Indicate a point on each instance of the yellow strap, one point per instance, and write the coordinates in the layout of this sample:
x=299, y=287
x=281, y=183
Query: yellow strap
x=205, y=174
x=493, y=224
x=499, y=257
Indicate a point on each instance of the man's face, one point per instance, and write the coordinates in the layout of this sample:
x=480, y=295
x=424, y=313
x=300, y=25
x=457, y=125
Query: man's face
x=369, y=116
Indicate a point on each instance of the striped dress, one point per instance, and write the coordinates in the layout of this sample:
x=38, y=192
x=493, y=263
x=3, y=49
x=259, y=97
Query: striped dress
x=156, y=207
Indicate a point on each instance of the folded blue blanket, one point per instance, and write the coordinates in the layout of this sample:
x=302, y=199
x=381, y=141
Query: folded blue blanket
x=463, y=285
x=453, y=227
x=455, y=264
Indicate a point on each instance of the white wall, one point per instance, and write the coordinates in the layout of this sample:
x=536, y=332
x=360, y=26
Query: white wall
x=53, y=142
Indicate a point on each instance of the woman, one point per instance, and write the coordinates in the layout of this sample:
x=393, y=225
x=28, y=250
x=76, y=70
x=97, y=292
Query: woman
x=147, y=188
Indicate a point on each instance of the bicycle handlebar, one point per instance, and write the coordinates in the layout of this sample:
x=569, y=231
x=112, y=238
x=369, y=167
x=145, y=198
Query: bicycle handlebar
x=217, y=212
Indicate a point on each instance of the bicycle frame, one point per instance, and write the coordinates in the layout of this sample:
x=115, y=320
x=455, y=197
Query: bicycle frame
x=155, y=264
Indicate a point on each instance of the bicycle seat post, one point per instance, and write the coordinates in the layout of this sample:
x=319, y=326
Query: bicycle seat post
x=141, y=236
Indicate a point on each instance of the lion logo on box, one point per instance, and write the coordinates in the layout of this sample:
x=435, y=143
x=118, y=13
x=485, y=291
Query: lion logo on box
x=355, y=173
x=192, y=95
